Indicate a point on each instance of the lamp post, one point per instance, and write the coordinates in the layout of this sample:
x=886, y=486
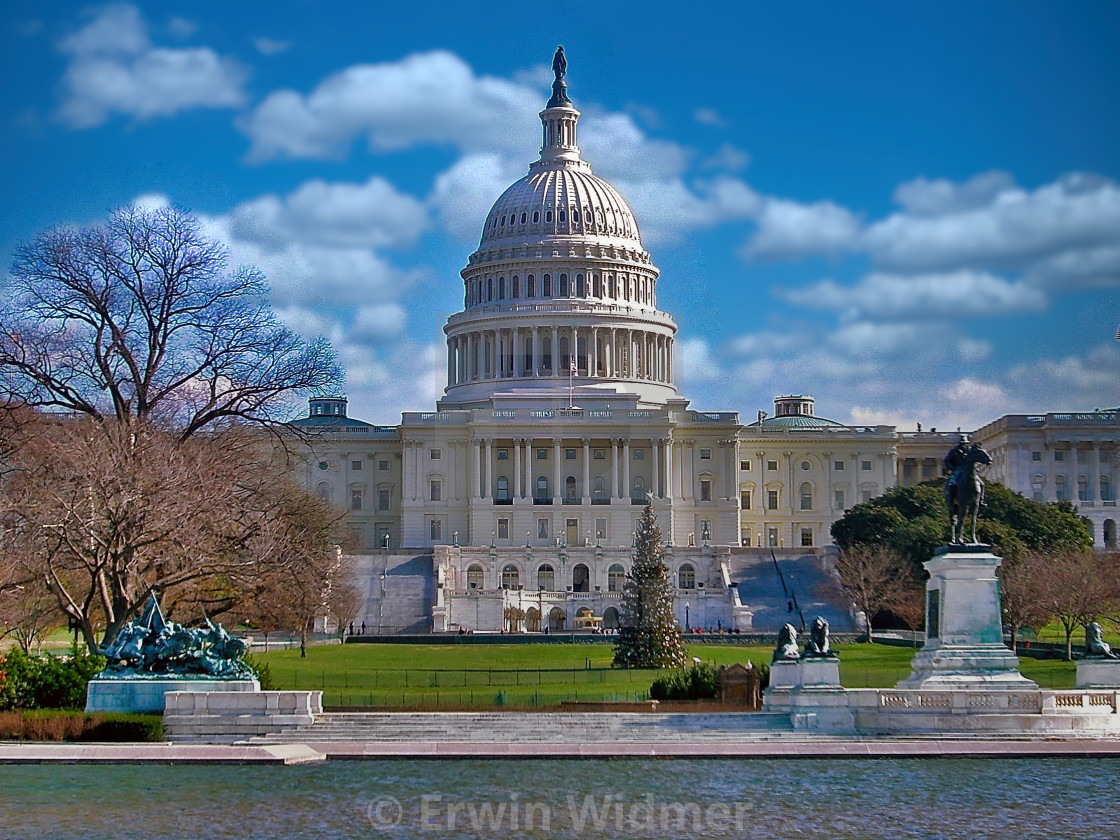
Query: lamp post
x=686, y=621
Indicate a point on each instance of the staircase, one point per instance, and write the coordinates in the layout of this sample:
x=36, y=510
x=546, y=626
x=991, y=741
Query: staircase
x=536, y=727
x=398, y=591
x=806, y=582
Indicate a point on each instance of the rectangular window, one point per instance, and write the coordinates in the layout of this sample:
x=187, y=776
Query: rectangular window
x=838, y=499
x=355, y=465
x=600, y=529
x=772, y=499
x=503, y=529
x=705, y=454
x=542, y=454
x=1059, y=455
x=745, y=466
x=838, y=466
x=355, y=500
x=600, y=455
x=865, y=466
x=806, y=537
x=503, y=454
x=382, y=499
x=772, y=537
x=1036, y=456
x=569, y=454
x=639, y=454
x=705, y=490
x=437, y=490
x=745, y=499
x=542, y=529
x=866, y=495
x=436, y=530
x=436, y=454
x=772, y=466
x=383, y=466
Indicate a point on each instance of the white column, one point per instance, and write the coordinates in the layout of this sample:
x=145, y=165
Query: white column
x=476, y=478
x=1095, y=475
x=556, y=488
x=586, y=469
x=656, y=488
x=536, y=354
x=828, y=481
x=488, y=465
x=668, y=468
x=555, y=351
x=593, y=353
x=688, y=479
x=517, y=469
x=407, y=454
x=529, y=467
x=450, y=361
x=418, y=486
x=614, y=469
x=626, y=468
x=451, y=488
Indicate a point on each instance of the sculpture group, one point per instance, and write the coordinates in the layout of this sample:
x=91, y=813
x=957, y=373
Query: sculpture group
x=151, y=645
x=817, y=646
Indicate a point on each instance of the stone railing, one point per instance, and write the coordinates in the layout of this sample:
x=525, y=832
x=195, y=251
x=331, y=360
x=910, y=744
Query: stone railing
x=226, y=716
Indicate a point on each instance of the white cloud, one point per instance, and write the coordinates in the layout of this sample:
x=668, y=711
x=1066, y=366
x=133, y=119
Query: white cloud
x=114, y=69
x=729, y=158
x=789, y=230
x=964, y=394
x=1072, y=382
x=432, y=98
x=959, y=294
x=667, y=210
x=709, y=116
x=1087, y=268
x=373, y=214
x=181, y=27
x=270, y=46
x=996, y=224
x=378, y=324
x=463, y=194
x=695, y=363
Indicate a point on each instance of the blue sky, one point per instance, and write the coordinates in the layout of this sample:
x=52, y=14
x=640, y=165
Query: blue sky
x=910, y=211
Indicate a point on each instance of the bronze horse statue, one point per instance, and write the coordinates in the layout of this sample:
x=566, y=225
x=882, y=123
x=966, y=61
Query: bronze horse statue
x=964, y=491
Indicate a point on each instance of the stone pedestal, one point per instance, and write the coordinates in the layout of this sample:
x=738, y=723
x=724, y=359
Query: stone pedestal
x=964, y=634
x=1098, y=673
x=144, y=694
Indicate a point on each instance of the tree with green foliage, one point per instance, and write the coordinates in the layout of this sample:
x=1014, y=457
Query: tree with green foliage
x=913, y=522
x=648, y=634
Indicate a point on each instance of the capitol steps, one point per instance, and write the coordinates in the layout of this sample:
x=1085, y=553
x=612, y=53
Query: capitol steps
x=536, y=727
x=398, y=593
x=805, y=576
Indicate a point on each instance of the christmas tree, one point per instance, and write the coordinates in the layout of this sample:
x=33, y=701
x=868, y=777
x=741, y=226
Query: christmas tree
x=648, y=634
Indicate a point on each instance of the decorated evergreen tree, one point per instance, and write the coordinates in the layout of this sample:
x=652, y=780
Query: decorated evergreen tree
x=648, y=634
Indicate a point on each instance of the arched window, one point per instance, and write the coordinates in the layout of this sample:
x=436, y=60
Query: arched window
x=570, y=488
x=541, y=493
x=599, y=488
x=511, y=577
x=516, y=287
x=597, y=286
x=581, y=578
x=546, y=578
x=503, y=489
x=501, y=288
x=324, y=490
x=475, y=576
x=546, y=286
x=686, y=577
x=489, y=288
x=616, y=577
x=530, y=286
x=806, y=493
x=563, y=292
x=581, y=291
x=638, y=489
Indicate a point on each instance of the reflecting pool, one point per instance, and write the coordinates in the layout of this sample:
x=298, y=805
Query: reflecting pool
x=764, y=798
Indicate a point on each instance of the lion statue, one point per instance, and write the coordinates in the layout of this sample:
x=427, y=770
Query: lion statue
x=787, y=645
x=818, y=638
x=1095, y=645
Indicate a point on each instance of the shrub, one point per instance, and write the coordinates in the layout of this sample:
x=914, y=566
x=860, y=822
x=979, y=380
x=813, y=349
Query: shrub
x=124, y=727
x=264, y=673
x=67, y=725
x=46, y=682
x=700, y=682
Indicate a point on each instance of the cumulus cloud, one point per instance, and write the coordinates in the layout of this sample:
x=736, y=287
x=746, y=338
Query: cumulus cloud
x=270, y=46
x=1071, y=382
x=374, y=214
x=727, y=157
x=464, y=193
x=115, y=69
x=432, y=98
x=789, y=230
x=709, y=116
x=695, y=363
x=989, y=222
x=959, y=294
x=669, y=209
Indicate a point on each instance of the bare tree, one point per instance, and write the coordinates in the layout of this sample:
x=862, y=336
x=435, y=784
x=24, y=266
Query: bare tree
x=141, y=318
x=103, y=514
x=1022, y=585
x=27, y=612
x=875, y=578
x=1079, y=587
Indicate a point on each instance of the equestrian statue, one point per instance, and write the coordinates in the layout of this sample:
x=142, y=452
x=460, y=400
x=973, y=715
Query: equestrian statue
x=964, y=491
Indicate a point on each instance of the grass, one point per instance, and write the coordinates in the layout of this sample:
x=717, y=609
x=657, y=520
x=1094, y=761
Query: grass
x=541, y=676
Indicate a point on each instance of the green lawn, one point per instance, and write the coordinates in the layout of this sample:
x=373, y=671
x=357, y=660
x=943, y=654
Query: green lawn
x=487, y=676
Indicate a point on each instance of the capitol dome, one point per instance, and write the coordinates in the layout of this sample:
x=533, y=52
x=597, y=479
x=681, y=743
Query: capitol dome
x=560, y=293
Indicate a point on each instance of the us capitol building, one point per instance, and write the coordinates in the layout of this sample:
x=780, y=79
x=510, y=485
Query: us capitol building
x=512, y=505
